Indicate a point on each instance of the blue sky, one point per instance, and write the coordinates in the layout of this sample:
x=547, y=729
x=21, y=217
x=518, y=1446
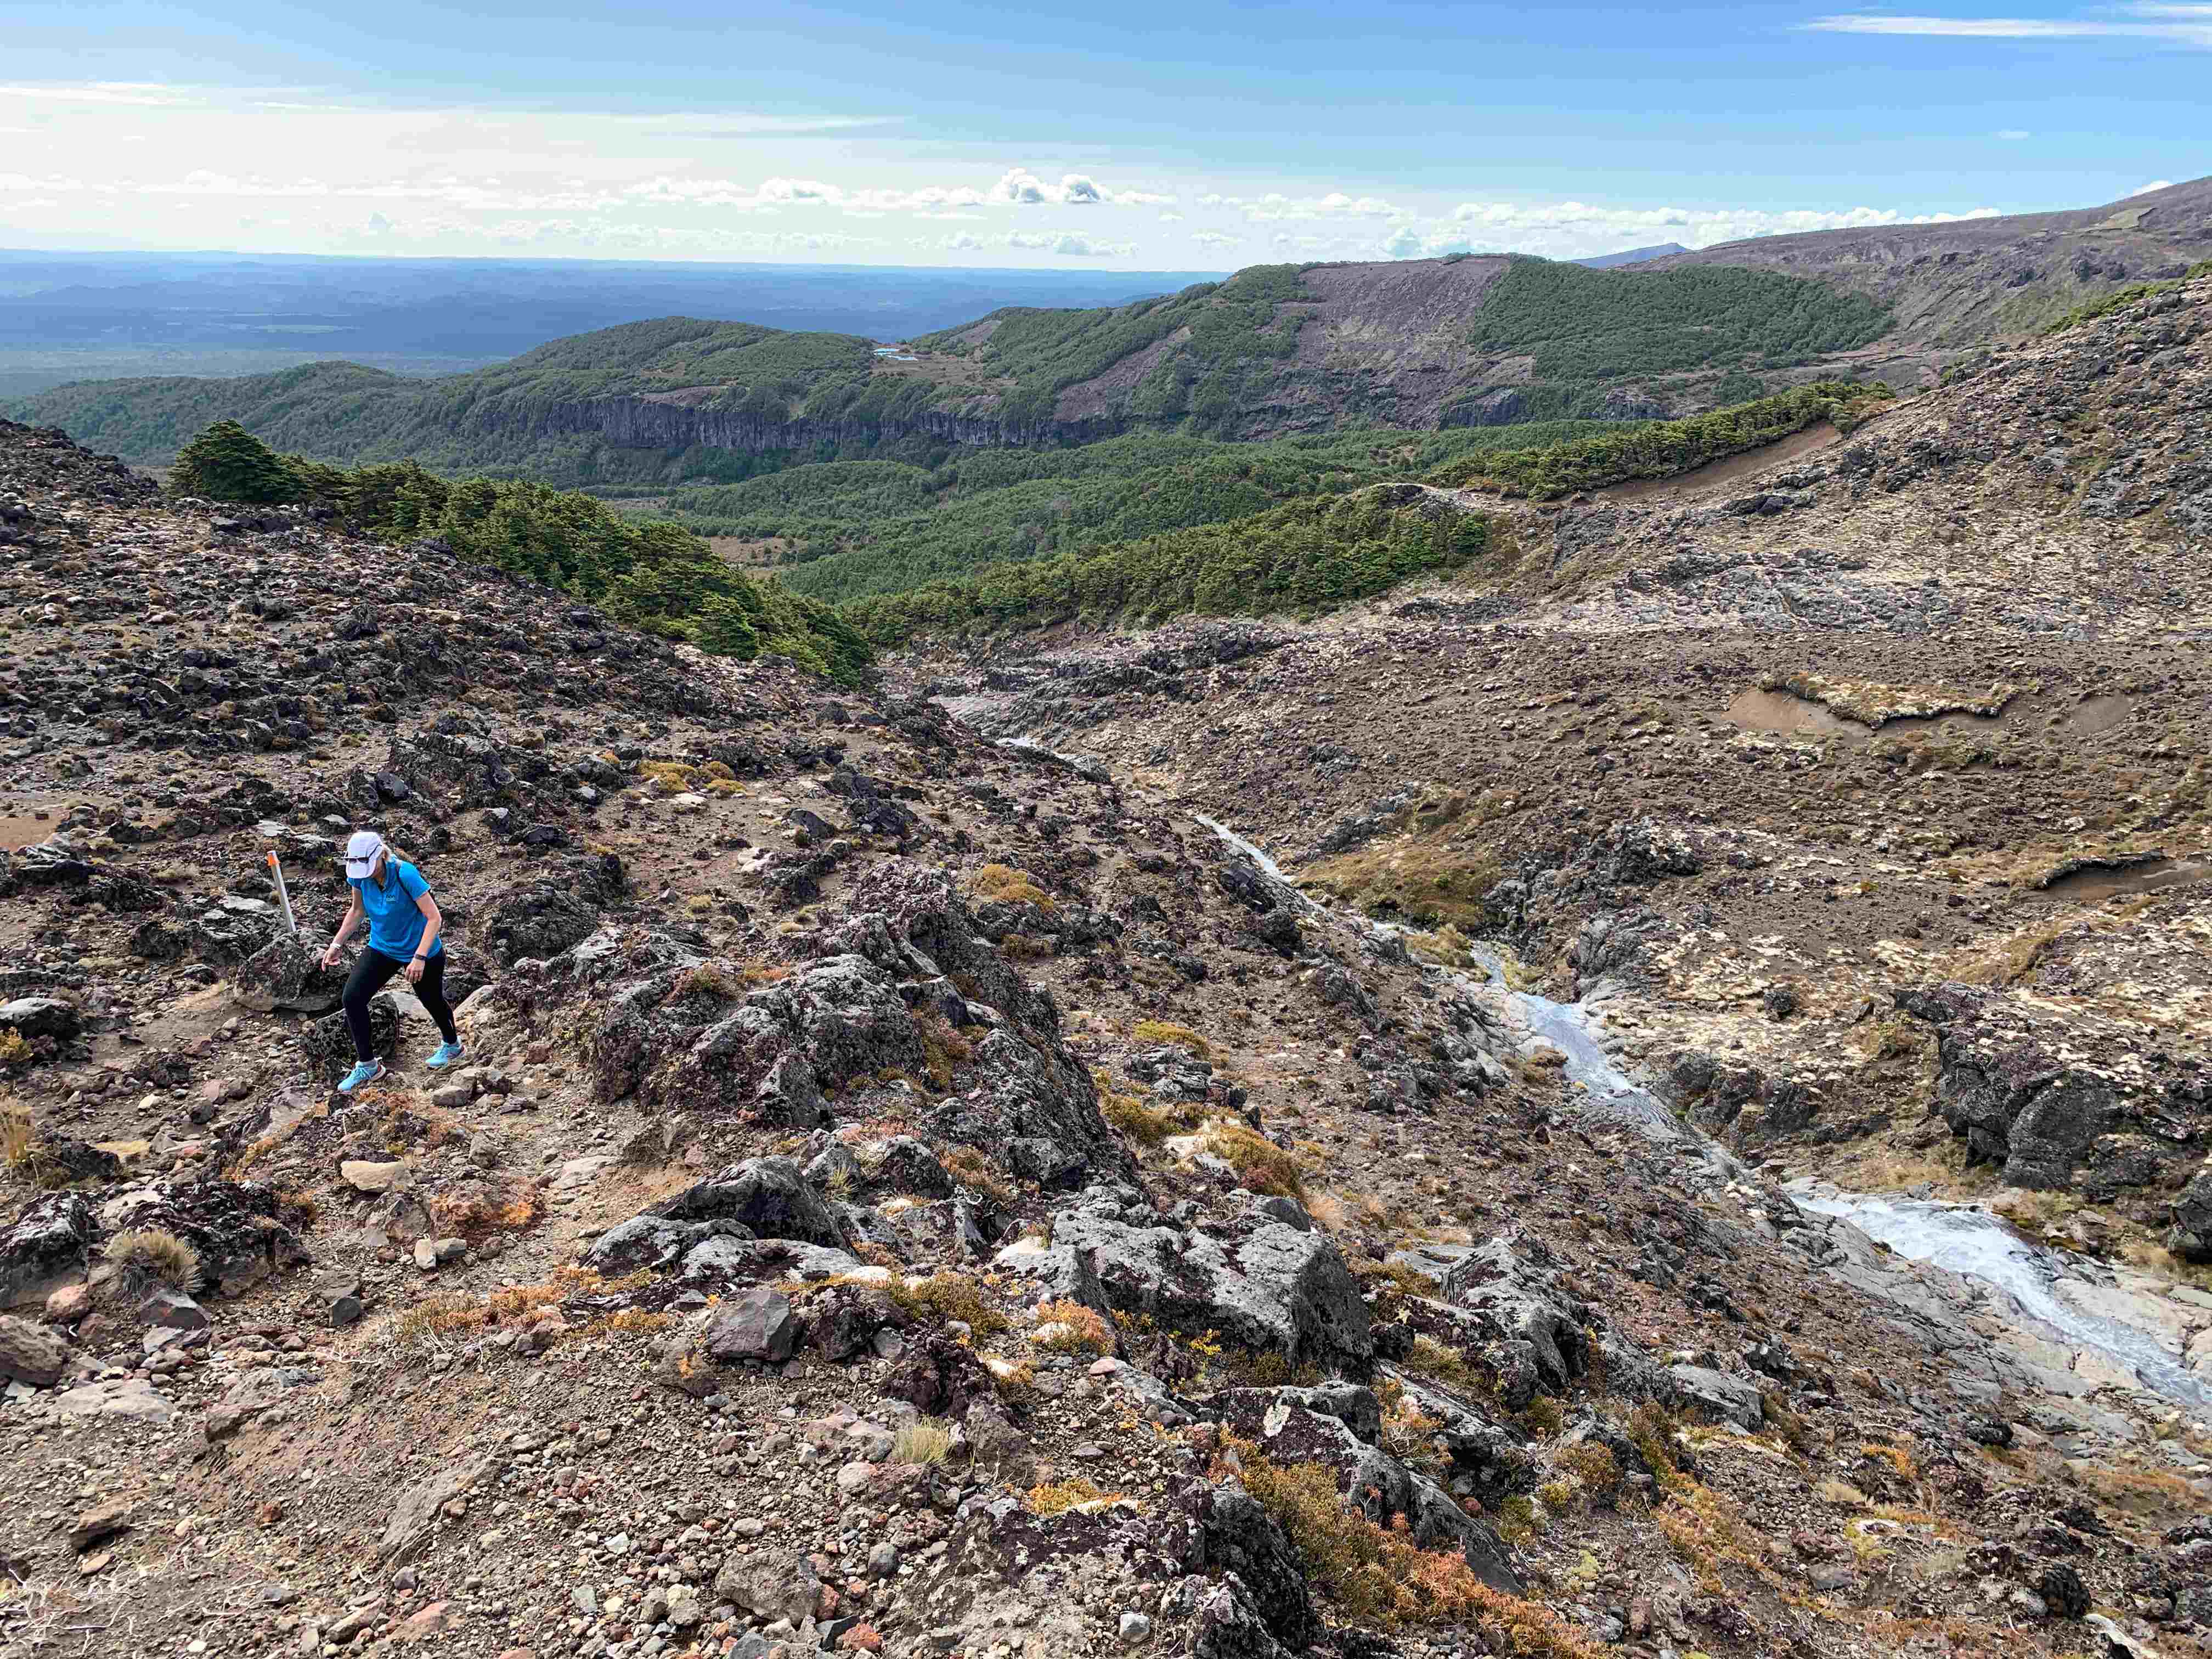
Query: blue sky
x=1144, y=134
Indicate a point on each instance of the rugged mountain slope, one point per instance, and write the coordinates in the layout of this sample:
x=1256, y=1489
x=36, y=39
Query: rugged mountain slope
x=1631, y=256
x=1966, y=280
x=1909, y=726
x=908, y=1194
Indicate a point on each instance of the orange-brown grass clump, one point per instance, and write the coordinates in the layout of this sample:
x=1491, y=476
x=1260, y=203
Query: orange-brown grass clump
x=1380, y=1575
x=1261, y=1166
x=1071, y=1327
x=1055, y=1497
x=1167, y=1031
x=1001, y=884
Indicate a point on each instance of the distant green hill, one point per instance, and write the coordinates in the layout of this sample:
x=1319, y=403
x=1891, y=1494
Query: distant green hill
x=515, y=417
x=1274, y=351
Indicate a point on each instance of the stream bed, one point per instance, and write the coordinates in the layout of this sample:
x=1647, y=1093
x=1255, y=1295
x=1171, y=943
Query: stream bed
x=2032, y=1281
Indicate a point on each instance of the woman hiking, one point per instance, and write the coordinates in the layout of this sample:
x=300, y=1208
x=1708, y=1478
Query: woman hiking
x=404, y=925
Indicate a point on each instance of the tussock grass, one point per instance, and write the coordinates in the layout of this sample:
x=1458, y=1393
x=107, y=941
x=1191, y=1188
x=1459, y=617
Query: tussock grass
x=1057, y=1496
x=152, y=1255
x=1261, y=1166
x=921, y=1442
x=1433, y=880
x=1071, y=1327
x=946, y=1296
x=1167, y=1033
x=1001, y=884
x=971, y=1168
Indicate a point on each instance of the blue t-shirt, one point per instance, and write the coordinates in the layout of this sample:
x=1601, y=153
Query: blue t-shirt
x=395, y=925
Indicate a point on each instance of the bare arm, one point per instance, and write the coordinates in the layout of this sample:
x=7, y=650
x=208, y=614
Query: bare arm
x=433, y=921
x=337, y=940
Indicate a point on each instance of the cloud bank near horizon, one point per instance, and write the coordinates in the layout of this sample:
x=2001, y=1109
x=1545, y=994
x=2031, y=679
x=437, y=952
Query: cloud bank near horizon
x=108, y=162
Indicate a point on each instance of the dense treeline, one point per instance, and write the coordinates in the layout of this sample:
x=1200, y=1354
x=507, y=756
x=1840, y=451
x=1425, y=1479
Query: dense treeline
x=1584, y=324
x=1659, y=449
x=852, y=528
x=1304, y=555
x=1044, y=352
x=650, y=574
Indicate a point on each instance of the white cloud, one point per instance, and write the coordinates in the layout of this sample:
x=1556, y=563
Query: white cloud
x=1170, y=218
x=1019, y=187
x=1275, y=205
x=2014, y=134
x=1071, y=244
x=1576, y=228
x=2176, y=25
x=1215, y=239
x=2155, y=184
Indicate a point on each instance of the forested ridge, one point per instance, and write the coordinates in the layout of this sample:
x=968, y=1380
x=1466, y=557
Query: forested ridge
x=651, y=574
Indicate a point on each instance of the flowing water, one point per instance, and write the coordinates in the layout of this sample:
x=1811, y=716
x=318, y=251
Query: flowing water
x=1958, y=1237
x=1966, y=1241
x=1569, y=1027
x=1982, y=1246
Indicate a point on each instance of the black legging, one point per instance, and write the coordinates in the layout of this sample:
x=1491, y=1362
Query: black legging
x=369, y=975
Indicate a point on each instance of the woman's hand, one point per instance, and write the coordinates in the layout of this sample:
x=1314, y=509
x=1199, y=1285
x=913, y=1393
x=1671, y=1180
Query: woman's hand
x=414, y=970
x=330, y=956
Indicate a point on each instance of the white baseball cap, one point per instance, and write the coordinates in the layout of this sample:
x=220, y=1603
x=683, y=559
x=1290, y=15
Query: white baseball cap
x=362, y=848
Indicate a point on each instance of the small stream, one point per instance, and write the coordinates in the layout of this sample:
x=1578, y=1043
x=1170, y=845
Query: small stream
x=1966, y=1241
x=1981, y=1247
x=1569, y=1027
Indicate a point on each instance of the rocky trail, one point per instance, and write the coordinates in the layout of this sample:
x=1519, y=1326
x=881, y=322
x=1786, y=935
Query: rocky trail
x=914, y=1193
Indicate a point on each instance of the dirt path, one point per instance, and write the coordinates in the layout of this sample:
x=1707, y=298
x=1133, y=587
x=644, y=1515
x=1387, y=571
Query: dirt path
x=1700, y=479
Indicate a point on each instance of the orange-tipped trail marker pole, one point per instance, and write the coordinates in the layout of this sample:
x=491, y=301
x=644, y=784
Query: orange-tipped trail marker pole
x=277, y=869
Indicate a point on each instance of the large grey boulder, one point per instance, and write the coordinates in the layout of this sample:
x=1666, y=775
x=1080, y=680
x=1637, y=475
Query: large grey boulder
x=1369, y=1480
x=768, y=1195
x=232, y=1227
x=2005, y=1094
x=1717, y=1395
x=31, y=1354
x=284, y=973
x=757, y=1326
x=1514, y=1298
x=415, y=1515
x=2192, y=1218
x=1264, y=1286
x=774, y=1583
x=652, y=1241
x=40, y=1016
x=48, y=1245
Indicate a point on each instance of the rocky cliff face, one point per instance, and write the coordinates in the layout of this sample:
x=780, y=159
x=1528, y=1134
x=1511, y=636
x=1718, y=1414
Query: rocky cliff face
x=647, y=422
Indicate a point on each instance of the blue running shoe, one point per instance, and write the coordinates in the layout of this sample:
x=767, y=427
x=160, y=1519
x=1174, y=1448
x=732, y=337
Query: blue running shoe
x=366, y=1071
x=446, y=1053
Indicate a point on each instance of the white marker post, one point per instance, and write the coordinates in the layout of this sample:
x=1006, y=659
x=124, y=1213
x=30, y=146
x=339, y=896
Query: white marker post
x=277, y=869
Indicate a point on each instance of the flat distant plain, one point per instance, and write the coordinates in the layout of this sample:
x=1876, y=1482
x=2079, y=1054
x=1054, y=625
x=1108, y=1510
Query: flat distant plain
x=68, y=317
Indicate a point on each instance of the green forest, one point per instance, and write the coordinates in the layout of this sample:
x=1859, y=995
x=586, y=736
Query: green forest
x=1659, y=449
x=1304, y=557
x=1584, y=324
x=649, y=574
x=852, y=528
